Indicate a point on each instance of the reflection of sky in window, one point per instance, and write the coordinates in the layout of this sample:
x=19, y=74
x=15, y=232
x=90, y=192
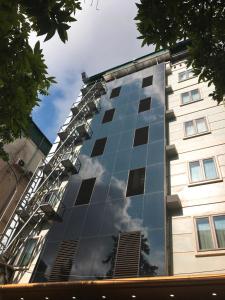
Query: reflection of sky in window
x=109, y=211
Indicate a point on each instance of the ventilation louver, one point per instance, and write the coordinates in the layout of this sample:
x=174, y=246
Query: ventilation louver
x=128, y=255
x=64, y=261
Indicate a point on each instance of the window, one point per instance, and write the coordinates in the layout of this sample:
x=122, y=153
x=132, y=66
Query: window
x=202, y=170
x=85, y=191
x=147, y=81
x=211, y=232
x=27, y=252
x=185, y=75
x=136, y=182
x=195, y=127
x=191, y=96
x=99, y=147
x=144, y=104
x=141, y=136
x=115, y=92
x=108, y=116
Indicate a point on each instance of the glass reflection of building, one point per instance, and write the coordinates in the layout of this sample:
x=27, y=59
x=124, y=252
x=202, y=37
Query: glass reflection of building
x=115, y=208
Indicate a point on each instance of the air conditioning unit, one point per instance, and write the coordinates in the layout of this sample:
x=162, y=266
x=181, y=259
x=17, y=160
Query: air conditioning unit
x=20, y=162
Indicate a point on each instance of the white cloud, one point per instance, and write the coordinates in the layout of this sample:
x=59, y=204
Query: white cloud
x=100, y=39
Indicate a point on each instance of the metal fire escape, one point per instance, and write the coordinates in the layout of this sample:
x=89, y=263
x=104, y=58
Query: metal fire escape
x=41, y=201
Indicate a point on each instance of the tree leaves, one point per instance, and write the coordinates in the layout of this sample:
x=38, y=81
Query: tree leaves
x=23, y=72
x=164, y=22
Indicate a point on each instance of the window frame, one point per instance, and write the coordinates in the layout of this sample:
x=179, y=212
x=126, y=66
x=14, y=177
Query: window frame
x=127, y=183
x=195, y=128
x=107, y=111
x=146, y=137
x=212, y=232
x=204, y=180
x=97, y=141
x=22, y=253
x=143, y=84
x=142, y=100
x=80, y=204
x=190, y=96
x=115, y=88
x=188, y=71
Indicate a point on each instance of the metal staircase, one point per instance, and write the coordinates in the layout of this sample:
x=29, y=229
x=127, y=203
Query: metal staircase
x=36, y=204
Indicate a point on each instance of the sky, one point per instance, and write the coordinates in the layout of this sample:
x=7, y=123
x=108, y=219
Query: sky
x=100, y=39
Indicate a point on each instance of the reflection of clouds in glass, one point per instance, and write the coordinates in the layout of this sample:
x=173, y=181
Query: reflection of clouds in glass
x=91, y=168
x=99, y=268
x=90, y=261
x=118, y=184
x=156, y=115
x=156, y=257
x=123, y=221
x=120, y=216
x=105, y=103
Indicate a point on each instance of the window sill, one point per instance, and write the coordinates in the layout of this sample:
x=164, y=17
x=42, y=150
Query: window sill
x=213, y=252
x=196, y=135
x=205, y=182
x=183, y=104
x=179, y=81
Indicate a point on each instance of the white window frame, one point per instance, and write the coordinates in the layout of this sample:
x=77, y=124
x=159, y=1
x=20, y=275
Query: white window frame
x=195, y=128
x=203, y=179
x=212, y=231
x=187, y=73
x=190, y=97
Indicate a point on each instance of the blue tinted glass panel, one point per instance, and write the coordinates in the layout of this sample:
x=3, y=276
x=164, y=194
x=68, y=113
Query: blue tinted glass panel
x=97, y=224
x=93, y=220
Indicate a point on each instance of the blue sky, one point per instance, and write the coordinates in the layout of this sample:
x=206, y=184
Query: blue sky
x=99, y=40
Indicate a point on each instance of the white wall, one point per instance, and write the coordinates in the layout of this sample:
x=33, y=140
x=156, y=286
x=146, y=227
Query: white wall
x=201, y=199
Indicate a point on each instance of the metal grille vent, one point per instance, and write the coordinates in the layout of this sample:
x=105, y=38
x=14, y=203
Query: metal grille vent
x=128, y=255
x=64, y=261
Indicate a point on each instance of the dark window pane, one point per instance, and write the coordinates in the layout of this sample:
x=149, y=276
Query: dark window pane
x=147, y=81
x=85, y=191
x=27, y=252
x=144, y=104
x=108, y=116
x=141, y=136
x=115, y=92
x=99, y=147
x=136, y=182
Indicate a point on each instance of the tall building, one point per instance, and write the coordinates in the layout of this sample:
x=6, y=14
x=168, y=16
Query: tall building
x=131, y=199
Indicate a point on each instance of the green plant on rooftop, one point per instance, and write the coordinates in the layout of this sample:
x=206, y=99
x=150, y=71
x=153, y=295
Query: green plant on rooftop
x=23, y=73
x=164, y=22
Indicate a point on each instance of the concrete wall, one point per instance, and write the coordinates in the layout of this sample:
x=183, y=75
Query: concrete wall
x=13, y=177
x=200, y=199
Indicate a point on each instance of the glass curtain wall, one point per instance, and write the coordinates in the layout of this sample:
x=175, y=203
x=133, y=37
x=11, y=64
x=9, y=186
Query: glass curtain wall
x=96, y=225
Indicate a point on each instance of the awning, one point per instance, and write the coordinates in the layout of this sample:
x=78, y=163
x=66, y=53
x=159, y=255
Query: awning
x=207, y=287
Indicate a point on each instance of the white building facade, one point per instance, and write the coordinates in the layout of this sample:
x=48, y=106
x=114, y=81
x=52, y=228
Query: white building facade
x=197, y=175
